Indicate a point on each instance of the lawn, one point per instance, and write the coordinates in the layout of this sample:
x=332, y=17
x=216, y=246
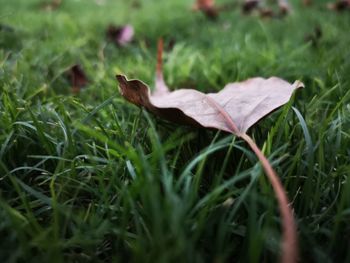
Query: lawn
x=89, y=177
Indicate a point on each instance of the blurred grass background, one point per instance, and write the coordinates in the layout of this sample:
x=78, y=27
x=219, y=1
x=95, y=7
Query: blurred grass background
x=91, y=178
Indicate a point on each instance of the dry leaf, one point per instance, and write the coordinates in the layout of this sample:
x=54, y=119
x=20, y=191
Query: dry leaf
x=307, y=2
x=250, y=5
x=77, y=78
x=243, y=102
x=171, y=44
x=120, y=35
x=284, y=7
x=234, y=109
x=266, y=13
x=340, y=5
x=207, y=7
x=211, y=10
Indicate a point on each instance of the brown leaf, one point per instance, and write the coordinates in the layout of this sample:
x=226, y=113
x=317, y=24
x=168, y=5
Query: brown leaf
x=307, y=2
x=266, y=13
x=120, y=35
x=77, y=78
x=207, y=7
x=284, y=7
x=211, y=10
x=250, y=5
x=171, y=44
x=340, y=5
x=234, y=109
x=243, y=103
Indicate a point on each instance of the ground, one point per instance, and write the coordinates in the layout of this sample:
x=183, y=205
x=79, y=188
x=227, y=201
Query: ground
x=89, y=177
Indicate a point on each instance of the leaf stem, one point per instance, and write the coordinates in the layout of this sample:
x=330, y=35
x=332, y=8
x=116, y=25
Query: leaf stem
x=159, y=69
x=290, y=242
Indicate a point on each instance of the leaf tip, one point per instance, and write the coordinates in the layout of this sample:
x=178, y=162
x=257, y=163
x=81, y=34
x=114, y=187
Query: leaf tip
x=298, y=84
x=135, y=91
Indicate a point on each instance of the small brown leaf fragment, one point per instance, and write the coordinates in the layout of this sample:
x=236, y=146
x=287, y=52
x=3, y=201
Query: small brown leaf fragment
x=266, y=13
x=340, y=5
x=250, y=5
x=171, y=44
x=284, y=7
x=211, y=10
x=120, y=35
x=307, y=2
x=207, y=7
x=77, y=78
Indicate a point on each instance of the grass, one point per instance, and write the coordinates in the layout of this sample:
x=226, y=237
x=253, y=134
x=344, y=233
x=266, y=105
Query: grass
x=92, y=178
